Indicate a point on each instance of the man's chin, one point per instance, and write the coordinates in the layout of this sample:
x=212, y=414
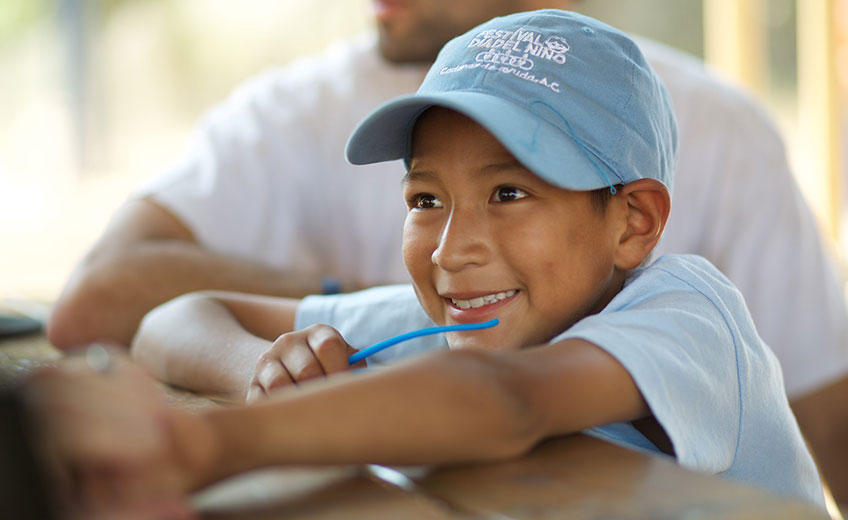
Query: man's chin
x=399, y=51
x=393, y=54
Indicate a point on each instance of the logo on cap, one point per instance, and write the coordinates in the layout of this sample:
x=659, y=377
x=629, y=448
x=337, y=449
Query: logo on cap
x=513, y=52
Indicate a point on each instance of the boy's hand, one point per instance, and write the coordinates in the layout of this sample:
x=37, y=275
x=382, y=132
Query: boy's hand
x=318, y=350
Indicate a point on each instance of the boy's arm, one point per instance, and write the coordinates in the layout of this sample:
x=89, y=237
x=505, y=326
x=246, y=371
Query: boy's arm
x=210, y=342
x=442, y=408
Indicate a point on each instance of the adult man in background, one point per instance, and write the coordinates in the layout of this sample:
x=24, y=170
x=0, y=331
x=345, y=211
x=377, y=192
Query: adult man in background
x=239, y=211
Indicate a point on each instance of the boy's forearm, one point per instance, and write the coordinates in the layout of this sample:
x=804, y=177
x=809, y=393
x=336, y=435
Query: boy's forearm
x=447, y=407
x=193, y=342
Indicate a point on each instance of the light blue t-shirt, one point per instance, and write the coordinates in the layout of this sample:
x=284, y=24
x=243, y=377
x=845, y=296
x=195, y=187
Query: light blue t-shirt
x=683, y=332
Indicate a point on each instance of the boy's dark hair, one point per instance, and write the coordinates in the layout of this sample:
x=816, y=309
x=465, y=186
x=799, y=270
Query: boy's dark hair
x=602, y=196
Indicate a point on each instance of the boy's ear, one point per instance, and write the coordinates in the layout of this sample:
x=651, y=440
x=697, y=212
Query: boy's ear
x=648, y=204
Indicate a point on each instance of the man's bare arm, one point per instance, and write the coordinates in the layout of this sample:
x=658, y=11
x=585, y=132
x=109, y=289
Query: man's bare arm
x=823, y=418
x=145, y=257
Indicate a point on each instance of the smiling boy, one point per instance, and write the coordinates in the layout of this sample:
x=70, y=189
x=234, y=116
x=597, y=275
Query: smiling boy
x=538, y=185
x=487, y=238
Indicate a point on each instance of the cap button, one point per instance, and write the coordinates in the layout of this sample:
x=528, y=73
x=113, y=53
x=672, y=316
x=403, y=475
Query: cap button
x=588, y=30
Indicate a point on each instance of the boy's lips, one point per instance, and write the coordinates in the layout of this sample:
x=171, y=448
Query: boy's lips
x=473, y=307
x=481, y=301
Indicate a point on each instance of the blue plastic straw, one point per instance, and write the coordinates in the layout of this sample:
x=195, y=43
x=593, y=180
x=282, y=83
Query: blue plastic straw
x=386, y=343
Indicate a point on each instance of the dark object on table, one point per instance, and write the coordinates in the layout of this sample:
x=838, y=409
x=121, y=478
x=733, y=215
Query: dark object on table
x=13, y=325
x=24, y=491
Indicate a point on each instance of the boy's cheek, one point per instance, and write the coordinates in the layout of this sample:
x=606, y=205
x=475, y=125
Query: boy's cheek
x=416, y=258
x=420, y=235
x=412, y=251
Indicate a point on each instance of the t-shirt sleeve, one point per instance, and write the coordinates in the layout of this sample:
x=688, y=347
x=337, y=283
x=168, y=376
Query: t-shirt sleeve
x=676, y=344
x=367, y=317
x=229, y=186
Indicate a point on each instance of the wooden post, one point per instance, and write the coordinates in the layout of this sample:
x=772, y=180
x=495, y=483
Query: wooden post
x=819, y=112
x=734, y=40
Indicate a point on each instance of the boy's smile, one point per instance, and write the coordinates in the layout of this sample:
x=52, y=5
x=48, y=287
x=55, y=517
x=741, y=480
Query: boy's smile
x=486, y=238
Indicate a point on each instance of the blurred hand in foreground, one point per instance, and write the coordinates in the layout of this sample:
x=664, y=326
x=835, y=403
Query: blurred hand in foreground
x=110, y=444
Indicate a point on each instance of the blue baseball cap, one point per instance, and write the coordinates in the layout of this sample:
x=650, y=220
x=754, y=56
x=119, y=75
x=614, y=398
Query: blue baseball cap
x=573, y=99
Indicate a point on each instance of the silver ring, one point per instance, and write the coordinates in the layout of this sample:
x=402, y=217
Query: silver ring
x=97, y=358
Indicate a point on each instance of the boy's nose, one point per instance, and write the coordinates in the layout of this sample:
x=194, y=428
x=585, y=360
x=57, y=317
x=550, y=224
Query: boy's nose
x=463, y=242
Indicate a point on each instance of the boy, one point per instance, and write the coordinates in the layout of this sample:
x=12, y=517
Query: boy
x=540, y=150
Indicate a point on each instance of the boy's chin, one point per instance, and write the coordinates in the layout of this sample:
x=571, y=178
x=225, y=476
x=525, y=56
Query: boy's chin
x=486, y=342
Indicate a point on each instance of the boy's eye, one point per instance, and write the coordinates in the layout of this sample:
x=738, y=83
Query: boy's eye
x=425, y=201
x=508, y=193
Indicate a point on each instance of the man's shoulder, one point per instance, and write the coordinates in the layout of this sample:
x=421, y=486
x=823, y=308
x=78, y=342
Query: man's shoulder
x=340, y=59
x=349, y=72
x=693, y=85
x=357, y=53
x=341, y=83
x=347, y=61
x=680, y=70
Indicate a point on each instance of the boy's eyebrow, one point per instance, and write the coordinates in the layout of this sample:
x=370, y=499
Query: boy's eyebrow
x=417, y=174
x=512, y=164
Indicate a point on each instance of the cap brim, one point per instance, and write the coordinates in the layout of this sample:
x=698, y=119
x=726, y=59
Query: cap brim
x=542, y=147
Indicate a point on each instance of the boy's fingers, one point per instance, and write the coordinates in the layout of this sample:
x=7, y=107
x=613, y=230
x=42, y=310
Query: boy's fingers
x=273, y=375
x=330, y=349
x=301, y=363
x=254, y=393
x=295, y=353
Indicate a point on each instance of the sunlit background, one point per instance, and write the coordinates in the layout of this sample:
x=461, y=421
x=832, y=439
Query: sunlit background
x=96, y=95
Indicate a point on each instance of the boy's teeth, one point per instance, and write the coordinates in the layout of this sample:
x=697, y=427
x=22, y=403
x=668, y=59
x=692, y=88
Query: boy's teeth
x=489, y=299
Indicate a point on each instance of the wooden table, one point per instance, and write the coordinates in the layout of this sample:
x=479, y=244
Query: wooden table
x=570, y=477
